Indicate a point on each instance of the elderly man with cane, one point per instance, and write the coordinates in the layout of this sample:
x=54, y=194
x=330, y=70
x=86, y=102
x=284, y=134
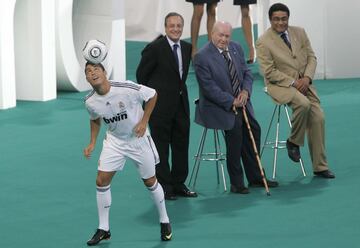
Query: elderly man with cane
x=225, y=86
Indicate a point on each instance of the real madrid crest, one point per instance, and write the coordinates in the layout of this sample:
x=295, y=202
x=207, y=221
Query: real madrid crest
x=121, y=105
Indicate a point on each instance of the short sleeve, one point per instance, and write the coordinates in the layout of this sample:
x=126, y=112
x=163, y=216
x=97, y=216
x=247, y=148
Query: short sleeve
x=146, y=93
x=92, y=113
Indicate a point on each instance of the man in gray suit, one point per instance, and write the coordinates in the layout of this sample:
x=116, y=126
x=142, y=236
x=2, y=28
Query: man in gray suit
x=288, y=63
x=225, y=86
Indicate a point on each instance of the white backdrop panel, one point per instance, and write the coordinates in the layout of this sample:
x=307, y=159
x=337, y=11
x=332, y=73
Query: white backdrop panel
x=342, y=39
x=146, y=20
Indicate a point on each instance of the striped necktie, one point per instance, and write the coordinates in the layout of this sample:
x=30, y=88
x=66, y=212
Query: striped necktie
x=235, y=83
x=285, y=39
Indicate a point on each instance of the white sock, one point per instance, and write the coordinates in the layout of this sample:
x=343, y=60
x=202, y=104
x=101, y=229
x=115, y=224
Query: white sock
x=103, y=198
x=157, y=194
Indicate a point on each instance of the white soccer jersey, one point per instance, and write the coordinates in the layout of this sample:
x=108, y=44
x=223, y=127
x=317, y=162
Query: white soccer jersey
x=121, y=108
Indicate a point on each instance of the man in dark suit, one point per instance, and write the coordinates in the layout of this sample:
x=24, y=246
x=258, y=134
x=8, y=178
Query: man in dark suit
x=164, y=67
x=225, y=86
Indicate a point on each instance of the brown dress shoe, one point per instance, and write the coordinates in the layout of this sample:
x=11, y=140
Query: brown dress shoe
x=293, y=151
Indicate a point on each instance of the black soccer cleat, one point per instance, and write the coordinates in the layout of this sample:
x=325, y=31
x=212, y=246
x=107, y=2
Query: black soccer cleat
x=98, y=236
x=166, y=233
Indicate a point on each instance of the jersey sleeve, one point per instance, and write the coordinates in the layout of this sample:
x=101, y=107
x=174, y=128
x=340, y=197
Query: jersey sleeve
x=146, y=93
x=92, y=113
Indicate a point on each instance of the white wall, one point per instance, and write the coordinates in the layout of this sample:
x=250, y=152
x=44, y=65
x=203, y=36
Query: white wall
x=342, y=39
x=146, y=20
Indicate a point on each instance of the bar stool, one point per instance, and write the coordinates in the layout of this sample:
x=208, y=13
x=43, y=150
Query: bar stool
x=217, y=155
x=278, y=144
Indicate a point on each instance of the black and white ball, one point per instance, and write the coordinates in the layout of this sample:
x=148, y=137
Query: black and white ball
x=95, y=51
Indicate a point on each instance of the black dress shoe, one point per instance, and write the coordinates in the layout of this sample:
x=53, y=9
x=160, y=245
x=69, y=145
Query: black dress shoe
x=186, y=193
x=182, y=190
x=170, y=196
x=239, y=190
x=293, y=151
x=271, y=184
x=325, y=174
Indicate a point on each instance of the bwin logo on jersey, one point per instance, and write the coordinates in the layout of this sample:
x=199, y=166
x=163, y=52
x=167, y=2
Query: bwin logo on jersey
x=119, y=117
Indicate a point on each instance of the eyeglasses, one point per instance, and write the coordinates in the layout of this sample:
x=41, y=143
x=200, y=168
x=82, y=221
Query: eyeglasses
x=280, y=19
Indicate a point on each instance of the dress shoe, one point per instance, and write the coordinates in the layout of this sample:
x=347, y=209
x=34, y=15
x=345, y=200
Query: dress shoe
x=239, y=190
x=170, y=196
x=293, y=151
x=185, y=192
x=325, y=174
x=270, y=183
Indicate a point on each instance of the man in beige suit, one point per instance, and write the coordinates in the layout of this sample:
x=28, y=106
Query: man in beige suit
x=288, y=63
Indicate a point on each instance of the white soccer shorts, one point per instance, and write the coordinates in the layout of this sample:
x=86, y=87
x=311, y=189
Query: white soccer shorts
x=141, y=151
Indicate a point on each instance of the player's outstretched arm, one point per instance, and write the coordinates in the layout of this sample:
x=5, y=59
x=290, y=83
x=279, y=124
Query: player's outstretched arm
x=94, y=131
x=140, y=128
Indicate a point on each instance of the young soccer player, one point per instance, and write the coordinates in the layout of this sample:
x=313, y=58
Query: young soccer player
x=119, y=105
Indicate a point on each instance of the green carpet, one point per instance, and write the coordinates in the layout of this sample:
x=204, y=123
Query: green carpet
x=48, y=189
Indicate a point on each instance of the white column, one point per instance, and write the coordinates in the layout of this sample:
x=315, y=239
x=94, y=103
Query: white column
x=7, y=58
x=35, y=65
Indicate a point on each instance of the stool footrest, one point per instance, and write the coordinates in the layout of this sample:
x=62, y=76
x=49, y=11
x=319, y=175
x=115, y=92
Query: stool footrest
x=216, y=156
x=272, y=144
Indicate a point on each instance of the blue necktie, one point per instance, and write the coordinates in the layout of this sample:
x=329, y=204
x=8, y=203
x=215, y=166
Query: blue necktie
x=285, y=39
x=235, y=83
x=175, y=47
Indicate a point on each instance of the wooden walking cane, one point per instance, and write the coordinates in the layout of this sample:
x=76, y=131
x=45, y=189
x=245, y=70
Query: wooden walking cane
x=256, y=151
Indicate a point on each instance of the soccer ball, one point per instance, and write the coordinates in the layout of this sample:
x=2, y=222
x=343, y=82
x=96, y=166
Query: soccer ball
x=95, y=51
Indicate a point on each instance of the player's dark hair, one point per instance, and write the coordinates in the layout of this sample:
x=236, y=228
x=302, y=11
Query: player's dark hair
x=173, y=14
x=93, y=64
x=278, y=7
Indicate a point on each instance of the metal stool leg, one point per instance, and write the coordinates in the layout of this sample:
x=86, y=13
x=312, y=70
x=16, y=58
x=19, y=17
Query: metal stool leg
x=218, y=158
x=198, y=158
x=216, y=154
x=290, y=125
x=268, y=131
x=276, y=145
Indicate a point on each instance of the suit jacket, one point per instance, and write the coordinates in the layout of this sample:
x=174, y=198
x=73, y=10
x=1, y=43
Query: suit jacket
x=158, y=69
x=214, y=109
x=281, y=66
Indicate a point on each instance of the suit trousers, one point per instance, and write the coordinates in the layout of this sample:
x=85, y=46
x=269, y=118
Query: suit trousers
x=308, y=117
x=172, y=132
x=239, y=148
